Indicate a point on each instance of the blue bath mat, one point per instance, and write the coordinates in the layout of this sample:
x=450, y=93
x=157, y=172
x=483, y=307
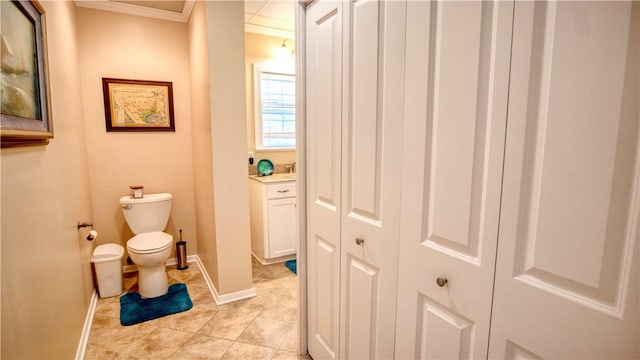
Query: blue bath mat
x=291, y=265
x=134, y=309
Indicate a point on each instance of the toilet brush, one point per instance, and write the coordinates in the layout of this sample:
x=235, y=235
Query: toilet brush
x=181, y=253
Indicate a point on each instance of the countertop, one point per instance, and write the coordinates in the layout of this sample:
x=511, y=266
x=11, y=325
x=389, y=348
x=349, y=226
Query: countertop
x=274, y=177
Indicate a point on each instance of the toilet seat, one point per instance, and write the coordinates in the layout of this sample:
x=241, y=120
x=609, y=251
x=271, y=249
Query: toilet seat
x=150, y=242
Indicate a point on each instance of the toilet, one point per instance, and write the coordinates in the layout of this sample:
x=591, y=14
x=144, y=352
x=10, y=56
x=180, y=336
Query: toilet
x=150, y=248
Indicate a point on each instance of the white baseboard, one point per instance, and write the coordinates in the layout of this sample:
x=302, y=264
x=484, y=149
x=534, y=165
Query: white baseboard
x=174, y=261
x=226, y=298
x=169, y=262
x=277, y=260
x=86, y=329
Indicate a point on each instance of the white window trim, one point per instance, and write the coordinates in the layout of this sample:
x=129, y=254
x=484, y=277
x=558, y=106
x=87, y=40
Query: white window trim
x=258, y=69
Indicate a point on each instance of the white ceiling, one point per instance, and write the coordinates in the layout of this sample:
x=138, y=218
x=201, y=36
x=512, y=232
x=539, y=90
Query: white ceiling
x=270, y=17
x=267, y=17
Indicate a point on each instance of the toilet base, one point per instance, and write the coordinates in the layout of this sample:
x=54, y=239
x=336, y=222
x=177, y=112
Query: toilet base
x=152, y=281
x=152, y=272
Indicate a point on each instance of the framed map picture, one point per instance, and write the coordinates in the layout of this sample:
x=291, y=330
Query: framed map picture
x=138, y=105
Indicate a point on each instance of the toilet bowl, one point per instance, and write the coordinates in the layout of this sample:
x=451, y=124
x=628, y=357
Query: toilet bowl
x=151, y=247
x=150, y=251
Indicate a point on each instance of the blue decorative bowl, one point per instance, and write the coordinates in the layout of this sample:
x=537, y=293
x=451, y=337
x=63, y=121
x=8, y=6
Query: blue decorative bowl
x=265, y=167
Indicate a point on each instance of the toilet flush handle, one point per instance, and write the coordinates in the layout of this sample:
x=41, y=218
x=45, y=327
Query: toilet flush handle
x=126, y=206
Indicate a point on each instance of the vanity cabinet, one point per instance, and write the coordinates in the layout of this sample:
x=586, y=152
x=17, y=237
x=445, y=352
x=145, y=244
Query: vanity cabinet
x=273, y=219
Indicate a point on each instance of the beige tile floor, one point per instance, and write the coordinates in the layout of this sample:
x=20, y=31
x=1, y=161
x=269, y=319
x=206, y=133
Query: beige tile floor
x=263, y=327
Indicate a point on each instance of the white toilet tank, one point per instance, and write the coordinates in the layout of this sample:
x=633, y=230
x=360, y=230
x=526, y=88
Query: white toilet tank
x=147, y=214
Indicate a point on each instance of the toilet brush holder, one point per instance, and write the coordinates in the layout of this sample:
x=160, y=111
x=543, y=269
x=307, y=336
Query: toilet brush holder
x=181, y=253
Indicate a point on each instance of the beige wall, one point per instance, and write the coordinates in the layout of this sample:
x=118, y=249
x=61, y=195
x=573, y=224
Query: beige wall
x=131, y=47
x=46, y=273
x=225, y=27
x=219, y=133
x=260, y=49
x=201, y=141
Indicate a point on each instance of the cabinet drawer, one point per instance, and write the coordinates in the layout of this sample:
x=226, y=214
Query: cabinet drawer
x=281, y=190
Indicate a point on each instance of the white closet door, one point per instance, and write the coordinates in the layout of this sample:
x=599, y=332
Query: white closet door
x=324, y=121
x=567, y=270
x=371, y=153
x=457, y=70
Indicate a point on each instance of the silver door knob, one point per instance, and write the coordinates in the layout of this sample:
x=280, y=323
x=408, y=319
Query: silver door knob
x=359, y=241
x=442, y=281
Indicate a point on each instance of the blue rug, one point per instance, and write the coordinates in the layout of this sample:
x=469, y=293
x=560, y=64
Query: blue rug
x=134, y=309
x=291, y=265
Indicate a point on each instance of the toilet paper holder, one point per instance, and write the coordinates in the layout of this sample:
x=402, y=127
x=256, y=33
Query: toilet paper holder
x=84, y=224
x=92, y=233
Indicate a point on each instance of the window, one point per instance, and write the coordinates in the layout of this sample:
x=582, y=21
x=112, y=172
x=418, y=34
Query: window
x=275, y=97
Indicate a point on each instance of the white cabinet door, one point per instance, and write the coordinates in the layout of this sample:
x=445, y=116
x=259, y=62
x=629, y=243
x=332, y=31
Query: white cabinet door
x=457, y=71
x=567, y=271
x=371, y=163
x=323, y=121
x=282, y=227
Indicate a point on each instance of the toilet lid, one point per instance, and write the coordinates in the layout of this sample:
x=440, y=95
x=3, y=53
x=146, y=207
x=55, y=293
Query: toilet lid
x=149, y=242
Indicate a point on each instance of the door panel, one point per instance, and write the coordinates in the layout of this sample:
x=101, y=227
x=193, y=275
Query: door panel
x=513, y=351
x=372, y=152
x=365, y=146
x=326, y=269
x=457, y=67
x=567, y=270
x=324, y=119
x=458, y=133
x=363, y=284
x=443, y=333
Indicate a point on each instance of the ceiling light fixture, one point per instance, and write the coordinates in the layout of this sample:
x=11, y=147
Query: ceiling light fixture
x=283, y=52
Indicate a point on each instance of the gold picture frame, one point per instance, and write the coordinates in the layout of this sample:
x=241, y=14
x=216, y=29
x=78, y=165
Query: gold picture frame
x=25, y=111
x=138, y=105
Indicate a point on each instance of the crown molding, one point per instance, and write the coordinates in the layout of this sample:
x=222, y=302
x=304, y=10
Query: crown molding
x=108, y=5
